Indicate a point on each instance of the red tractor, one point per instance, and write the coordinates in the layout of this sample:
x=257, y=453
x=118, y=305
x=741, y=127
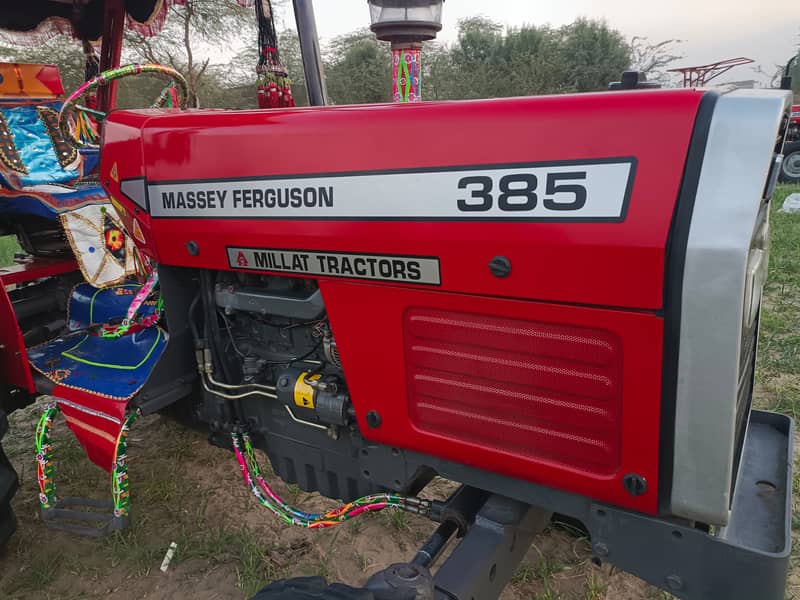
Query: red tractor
x=561, y=327
x=790, y=172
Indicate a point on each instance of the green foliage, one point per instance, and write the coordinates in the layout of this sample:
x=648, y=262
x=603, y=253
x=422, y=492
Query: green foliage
x=488, y=62
x=292, y=59
x=187, y=44
x=8, y=246
x=593, y=54
x=357, y=69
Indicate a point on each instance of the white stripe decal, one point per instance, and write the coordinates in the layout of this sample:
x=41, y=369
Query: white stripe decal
x=558, y=191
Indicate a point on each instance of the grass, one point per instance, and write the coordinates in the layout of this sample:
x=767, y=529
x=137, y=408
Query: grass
x=779, y=343
x=595, y=587
x=8, y=246
x=778, y=373
x=254, y=568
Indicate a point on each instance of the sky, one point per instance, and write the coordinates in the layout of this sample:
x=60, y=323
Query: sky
x=711, y=30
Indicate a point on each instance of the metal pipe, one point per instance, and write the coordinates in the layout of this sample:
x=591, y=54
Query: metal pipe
x=111, y=51
x=310, y=50
x=235, y=396
x=433, y=548
x=227, y=386
x=302, y=422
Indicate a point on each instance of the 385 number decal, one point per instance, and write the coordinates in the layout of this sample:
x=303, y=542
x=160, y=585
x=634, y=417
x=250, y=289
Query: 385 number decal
x=563, y=191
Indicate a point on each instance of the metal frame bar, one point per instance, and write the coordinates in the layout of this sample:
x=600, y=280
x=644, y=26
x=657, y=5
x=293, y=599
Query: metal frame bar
x=111, y=51
x=702, y=74
x=310, y=50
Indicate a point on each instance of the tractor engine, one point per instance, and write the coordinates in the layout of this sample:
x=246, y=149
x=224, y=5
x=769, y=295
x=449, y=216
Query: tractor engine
x=276, y=334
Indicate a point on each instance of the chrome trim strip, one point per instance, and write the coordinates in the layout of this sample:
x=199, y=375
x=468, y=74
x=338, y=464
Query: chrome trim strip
x=89, y=411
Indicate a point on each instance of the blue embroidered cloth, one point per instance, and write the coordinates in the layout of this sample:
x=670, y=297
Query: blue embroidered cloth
x=89, y=305
x=112, y=367
x=47, y=188
x=35, y=147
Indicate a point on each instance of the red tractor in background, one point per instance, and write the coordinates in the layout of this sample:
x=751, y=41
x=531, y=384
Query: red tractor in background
x=790, y=172
x=560, y=327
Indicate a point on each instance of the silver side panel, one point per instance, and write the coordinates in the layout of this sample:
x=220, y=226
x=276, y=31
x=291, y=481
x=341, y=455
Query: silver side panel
x=720, y=274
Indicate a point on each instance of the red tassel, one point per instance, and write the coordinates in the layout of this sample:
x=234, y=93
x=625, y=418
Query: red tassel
x=263, y=101
x=274, y=97
x=288, y=97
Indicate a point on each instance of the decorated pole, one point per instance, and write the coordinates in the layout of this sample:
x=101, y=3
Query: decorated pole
x=406, y=24
x=407, y=73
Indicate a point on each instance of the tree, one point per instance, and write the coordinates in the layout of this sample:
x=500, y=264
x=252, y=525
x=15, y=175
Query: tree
x=292, y=58
x=533, y=61
x=487, y=62
x=61, y=50
x=473, y=70
x=194, y=34
x=357, y=69
x=593, y=55
x=653, y=59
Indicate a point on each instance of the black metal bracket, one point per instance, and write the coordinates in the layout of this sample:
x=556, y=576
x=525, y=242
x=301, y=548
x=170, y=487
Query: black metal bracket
x=87, y=520
x=488, y=555
x=497, y=532
x=747, y=559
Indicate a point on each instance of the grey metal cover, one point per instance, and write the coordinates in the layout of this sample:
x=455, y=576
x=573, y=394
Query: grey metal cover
x=724, y=269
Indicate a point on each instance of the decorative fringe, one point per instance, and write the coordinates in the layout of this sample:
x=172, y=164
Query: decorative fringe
x=155, y=23
x=43, y=33
x=55, y=26
x=274, y=85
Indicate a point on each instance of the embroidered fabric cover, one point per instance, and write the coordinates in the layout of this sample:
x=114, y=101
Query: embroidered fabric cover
x=106, y=255
x=36, y=148
x=39, y=170
x=89, y=305
x=113, y=368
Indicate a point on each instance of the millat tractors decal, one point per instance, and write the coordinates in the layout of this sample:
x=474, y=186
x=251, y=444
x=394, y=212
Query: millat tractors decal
x=597, y=190
x=379, y=267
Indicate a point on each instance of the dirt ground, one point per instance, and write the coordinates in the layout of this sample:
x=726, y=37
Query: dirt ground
x=187, y=491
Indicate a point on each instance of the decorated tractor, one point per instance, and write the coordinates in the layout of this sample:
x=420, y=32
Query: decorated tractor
x=559, y=326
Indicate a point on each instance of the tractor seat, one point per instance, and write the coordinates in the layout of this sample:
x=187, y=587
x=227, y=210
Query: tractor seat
x=41, y=173
x=114, y=368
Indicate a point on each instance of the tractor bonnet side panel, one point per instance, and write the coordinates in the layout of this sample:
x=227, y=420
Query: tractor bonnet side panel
x=493, y=271
x=397, y=175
